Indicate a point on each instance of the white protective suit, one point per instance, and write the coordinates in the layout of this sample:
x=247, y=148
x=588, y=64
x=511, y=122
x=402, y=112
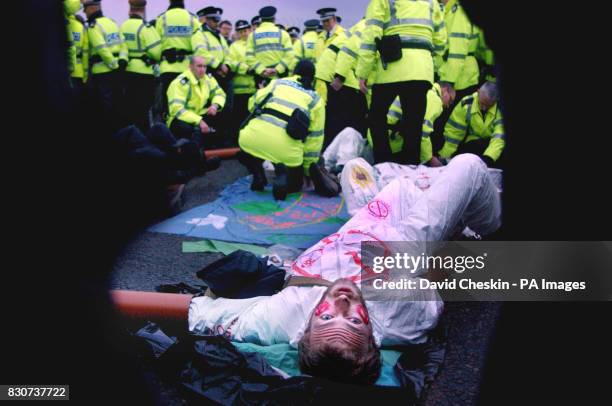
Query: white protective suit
x=462, y=194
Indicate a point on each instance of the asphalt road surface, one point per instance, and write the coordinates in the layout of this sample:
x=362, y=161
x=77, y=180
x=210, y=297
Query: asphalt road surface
x=153, y=259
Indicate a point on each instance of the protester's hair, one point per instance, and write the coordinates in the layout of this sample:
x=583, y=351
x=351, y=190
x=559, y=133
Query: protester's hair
x=490, y=90
x=330, y=361
x=224, y=22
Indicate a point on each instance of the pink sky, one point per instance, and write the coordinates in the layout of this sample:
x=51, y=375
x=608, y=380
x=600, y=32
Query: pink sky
x=289, y=12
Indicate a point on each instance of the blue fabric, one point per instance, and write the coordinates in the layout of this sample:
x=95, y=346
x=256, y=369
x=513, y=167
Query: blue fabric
x=241, y=215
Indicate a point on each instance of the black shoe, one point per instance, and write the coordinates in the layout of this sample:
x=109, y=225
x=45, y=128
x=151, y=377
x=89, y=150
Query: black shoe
x=259, y=181
x=279, y=187
x=212, y=163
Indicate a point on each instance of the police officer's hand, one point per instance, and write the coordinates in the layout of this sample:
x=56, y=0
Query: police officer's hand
x=434, y=162
x=204, y=128
x=363, y=86
x=122, y=65
x=337, y=84
x=224, y=69
x=212, y=110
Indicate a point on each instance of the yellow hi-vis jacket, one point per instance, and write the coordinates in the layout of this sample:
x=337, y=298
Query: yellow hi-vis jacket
x=180, y=30
x=74, y=32
x=265, y=136
x=80, y=43
x=269, y=47
x=326, y=39
x=304, y=47
x=189, y=98
x=466, y=124
x=348, y=55
x=244, y=83
x=143, y=42
x=420, y=25
x=326, y=63
x=460, y=67
x=106, y=45
x=214, y=48
x=432, y=112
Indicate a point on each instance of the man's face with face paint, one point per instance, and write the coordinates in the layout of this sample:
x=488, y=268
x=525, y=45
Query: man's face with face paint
x=341, y=317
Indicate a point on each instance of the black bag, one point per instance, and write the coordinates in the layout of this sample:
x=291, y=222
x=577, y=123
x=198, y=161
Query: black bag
x=298, y=124
x=390, y=48
x=324, y=182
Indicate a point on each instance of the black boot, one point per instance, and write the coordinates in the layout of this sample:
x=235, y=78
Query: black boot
x=255, y=168
x=279, y=187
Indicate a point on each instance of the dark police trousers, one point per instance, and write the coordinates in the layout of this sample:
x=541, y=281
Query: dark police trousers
x=346, y=107
x=139, y=94
x=181, y=129
x=239, y=114
x=413, y=97
x=107, y=93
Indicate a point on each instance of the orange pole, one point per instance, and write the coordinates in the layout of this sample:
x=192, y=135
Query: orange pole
x=225, y=153
x=152, y=306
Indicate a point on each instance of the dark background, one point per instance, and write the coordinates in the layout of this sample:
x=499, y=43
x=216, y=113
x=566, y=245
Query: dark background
x=60, y=176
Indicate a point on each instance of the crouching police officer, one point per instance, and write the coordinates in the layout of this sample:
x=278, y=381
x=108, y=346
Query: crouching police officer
x=192, y=96
x=285, y=127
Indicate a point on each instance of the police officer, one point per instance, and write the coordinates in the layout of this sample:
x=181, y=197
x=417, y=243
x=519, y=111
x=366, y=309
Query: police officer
x=194, y=97
x=144, y=49
x=476, y=126
x=304, y=47
x=294, y=33
x=180, y=34
x=108, y=59
x=332, y=38
x=269, y=50
x=268, y=135
x=79, y=61
x=406, y=33
x=243, y=82
x=331, y=29
x=340, y=105
x=215, y=50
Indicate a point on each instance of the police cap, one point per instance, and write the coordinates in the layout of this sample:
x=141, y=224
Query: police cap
x=256, y=20
x=241, y=25
x=311, y=24
x=267, y=12
x=326, y=13
x=211, y=12
x=293, y=31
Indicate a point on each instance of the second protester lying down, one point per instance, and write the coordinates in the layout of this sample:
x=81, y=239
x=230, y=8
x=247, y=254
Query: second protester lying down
x=338, y=334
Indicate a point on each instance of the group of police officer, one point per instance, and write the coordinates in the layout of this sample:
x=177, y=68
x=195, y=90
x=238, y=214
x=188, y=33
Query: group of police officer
x=414, y=77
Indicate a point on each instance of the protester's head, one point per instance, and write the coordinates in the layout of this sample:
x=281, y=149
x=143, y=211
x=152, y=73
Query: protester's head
x=338, y=343
x=305, y=69
x=487, y=95
x=243, y=29
x=197, y=64
x=225, y=27
x=91, y=6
